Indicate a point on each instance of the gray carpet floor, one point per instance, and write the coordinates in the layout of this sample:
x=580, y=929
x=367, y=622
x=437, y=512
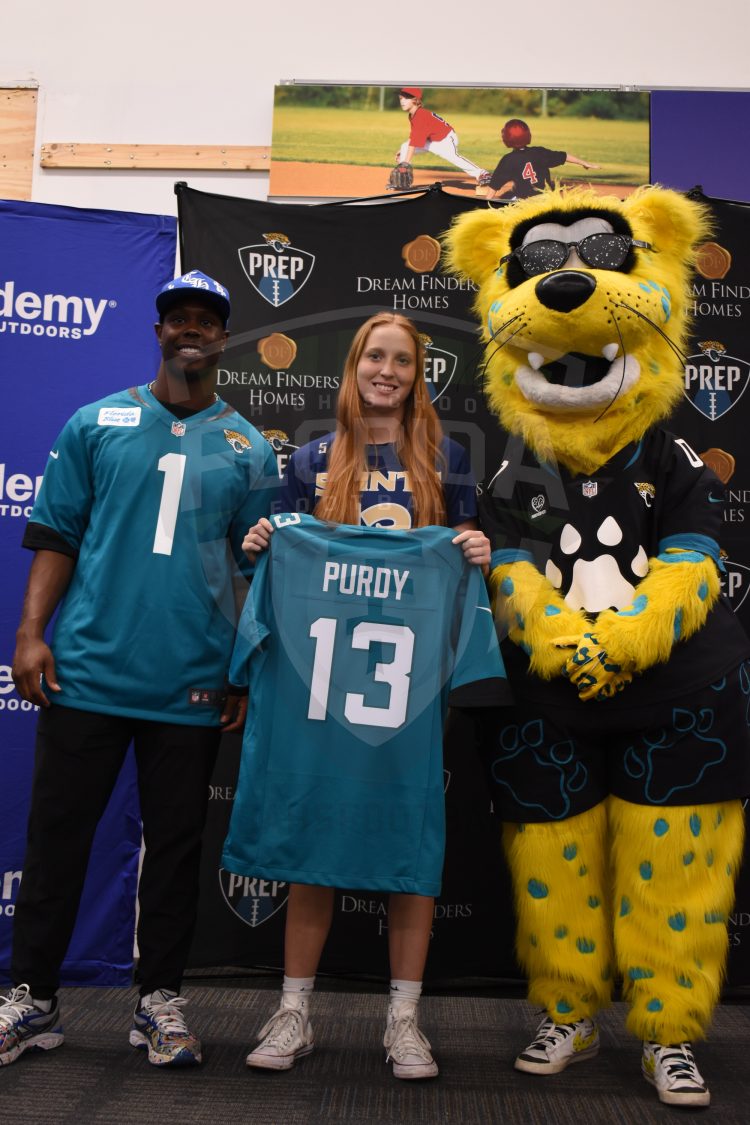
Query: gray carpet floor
x=96, y=1077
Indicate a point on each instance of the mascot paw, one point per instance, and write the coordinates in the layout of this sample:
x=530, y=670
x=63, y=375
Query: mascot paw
x=594, y=673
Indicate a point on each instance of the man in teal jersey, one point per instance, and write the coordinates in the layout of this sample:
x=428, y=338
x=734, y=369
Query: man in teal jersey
x=137, y=531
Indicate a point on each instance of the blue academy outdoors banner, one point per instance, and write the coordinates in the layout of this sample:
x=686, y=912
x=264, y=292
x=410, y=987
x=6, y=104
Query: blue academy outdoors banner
x=76, y=307
x=302, y=278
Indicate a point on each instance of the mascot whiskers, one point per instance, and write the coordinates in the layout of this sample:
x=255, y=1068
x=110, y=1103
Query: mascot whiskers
x=620, y=772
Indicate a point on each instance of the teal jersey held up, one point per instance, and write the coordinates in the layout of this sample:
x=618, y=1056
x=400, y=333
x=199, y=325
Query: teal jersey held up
x=155, y=509
x=352, y=640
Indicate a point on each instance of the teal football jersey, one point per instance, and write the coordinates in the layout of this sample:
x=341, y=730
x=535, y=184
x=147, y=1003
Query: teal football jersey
x=155, y=507
x=352, y=640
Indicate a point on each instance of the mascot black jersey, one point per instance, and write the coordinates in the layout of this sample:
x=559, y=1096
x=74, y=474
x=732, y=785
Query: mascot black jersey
x=592, y=535
x=353, y=639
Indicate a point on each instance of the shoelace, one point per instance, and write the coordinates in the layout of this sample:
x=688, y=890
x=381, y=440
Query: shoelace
x=409, y=1040
x=14, y=1006
x=167, y=1015
x=281, y=1028
x=678, y=1061
x=550, y=1032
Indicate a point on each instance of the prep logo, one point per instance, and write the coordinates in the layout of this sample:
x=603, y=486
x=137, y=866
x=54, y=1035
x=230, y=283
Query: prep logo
x=715, y=381
x=254, y=901
x=439, y=367
x=27, y=313
x=276, y=269
x=735, y=582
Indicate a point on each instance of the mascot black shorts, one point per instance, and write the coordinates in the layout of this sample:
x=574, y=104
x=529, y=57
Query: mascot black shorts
x=546, y=764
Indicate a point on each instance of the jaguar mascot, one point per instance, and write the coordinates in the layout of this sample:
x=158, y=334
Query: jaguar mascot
x=620, y=771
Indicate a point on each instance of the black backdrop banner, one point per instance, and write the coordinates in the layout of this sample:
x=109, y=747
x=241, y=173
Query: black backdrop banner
x=301, y=280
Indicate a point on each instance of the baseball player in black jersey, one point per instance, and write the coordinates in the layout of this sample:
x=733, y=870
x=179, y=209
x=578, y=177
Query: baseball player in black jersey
x=526, y=169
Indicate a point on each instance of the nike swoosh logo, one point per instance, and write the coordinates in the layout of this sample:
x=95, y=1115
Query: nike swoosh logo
x=484, y=608
x=715, y=499
x=54, y=453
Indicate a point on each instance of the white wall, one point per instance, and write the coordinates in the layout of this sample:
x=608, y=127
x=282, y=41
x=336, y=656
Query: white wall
x=196, y=72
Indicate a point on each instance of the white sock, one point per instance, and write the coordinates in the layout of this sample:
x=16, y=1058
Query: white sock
x=43, y=1005
x=296, y=991
x=404, y=997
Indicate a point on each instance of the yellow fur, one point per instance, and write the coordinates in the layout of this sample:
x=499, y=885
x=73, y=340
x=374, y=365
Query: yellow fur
x=674, y=871
x=638, y=640
x=536, y=616
x=658, y=286
x=663, y=886
x=562, y=904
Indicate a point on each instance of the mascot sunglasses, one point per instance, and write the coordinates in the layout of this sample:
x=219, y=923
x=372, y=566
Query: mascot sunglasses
x=600, y=251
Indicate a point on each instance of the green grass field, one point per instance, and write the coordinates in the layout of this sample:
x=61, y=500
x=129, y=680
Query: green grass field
x=355, y=136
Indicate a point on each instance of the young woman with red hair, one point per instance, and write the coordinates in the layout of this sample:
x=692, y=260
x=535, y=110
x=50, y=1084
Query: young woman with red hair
x=387, y=465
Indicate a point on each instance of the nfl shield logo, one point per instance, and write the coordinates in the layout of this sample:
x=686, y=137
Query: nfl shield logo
x=178, y=429
x=589, y=488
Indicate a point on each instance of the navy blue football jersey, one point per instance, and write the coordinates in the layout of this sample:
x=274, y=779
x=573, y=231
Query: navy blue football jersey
x=154, y=508
x=353, y=639
x=385, y=495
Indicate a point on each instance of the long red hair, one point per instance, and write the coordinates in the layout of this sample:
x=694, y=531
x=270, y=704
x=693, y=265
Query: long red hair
x=418, y=445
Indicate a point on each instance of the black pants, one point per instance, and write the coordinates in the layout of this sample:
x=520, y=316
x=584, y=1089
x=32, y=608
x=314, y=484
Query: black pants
x=79, y=755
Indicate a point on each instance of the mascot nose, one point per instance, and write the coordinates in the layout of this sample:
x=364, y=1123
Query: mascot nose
x=565, y=290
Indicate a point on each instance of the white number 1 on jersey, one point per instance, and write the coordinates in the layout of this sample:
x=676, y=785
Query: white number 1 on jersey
x=173, y=467
x=395, y=674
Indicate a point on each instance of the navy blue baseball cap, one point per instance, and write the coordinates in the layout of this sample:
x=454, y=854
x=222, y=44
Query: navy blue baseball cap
x=196, y=283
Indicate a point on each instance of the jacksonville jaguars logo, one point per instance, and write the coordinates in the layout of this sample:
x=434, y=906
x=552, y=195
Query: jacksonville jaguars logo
x=276, y=270
x=254, y=901
x=647, y=492
x=238, y=442
x=715, y=381
x=278, y=440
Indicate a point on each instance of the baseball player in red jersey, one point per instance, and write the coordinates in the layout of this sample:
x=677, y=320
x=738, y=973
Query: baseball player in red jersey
x=430, y=133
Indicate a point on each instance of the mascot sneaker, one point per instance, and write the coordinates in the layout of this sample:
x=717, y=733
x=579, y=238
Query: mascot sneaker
x=159, y=1027
x=407, y=1047
x=674, y=1073
x=286, y=1037
x=23, y=1026
x=556, y=1045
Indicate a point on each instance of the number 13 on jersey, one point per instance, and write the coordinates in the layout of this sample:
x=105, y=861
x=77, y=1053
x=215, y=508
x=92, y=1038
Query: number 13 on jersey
x=395, y=673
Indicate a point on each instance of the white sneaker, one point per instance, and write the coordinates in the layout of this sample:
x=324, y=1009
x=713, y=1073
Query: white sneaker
x=407, y=1048
x=159, y=1027
x=674, y=1073
x=556, y=1045
x=286, y=1037
x=24, y=1027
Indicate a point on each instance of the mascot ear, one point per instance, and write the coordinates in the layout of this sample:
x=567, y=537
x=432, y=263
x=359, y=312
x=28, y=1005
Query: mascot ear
x=671, y=222
x=476, y=242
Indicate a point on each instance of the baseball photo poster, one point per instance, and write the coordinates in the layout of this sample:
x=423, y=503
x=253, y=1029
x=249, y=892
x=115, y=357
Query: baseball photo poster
x=339, y=142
